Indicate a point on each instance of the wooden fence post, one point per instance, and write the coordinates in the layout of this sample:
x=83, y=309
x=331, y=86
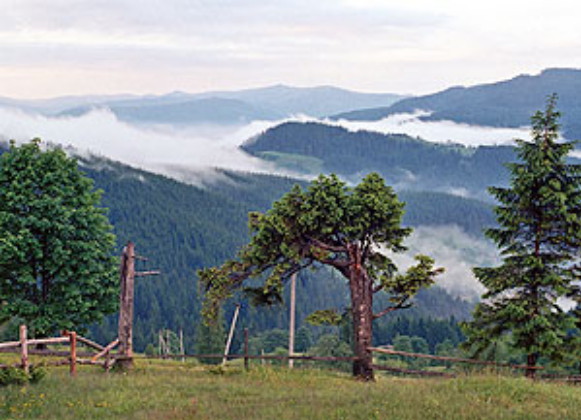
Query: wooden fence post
x=24, y=349
x=73, y=359
x=126, y=306
x=291, y=328
x=246, y=348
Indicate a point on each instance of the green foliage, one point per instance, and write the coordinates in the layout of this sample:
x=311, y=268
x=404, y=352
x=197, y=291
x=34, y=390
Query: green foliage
x=303, y=339
x=17, y=376
x=408, y=162
x=349, y=229
x=324, y=317
x=56, y=268
x=320, y=225
x=210, y=339
x=539, y=238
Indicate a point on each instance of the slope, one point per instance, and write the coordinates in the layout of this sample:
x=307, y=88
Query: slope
x=507, y=103
x=406, y=162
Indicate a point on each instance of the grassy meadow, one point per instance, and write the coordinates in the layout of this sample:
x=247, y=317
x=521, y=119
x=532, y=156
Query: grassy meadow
x=163, y=390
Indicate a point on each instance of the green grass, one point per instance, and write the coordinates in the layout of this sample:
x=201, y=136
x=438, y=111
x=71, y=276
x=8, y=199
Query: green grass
x=170, y=390
x=294, y=162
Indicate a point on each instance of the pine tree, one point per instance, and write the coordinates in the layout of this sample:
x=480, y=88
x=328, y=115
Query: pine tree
x=329, y=224
x=538, y=236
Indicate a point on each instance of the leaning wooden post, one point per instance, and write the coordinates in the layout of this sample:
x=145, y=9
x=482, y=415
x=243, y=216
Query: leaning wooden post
x=73, y=359
x=231, y=334
x=24, y=349
x=126, y=306
x=291, y=327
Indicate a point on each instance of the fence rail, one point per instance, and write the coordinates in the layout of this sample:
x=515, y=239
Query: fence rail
x=73, y=357
x=452, y=359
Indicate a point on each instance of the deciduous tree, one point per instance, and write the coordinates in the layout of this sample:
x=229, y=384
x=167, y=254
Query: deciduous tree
x=56, y=244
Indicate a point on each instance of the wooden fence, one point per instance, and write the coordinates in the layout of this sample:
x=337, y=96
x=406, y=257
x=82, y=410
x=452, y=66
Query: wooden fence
x=73, y=356
x=389, y=351
x=102, y=356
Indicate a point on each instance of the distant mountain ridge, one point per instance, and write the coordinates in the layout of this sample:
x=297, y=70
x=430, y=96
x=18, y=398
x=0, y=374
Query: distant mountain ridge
x=508, y=103
x=218, y=107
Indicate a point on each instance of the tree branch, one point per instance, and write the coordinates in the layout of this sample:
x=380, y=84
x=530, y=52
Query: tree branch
x=326, y=246
x=400, y=305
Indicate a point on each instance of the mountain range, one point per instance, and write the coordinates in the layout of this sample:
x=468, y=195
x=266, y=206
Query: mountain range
x=508, y=103
x=218, y=107
x=182, y=227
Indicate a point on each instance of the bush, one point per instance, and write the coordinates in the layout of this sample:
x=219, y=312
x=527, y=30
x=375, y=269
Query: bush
x=17, y=376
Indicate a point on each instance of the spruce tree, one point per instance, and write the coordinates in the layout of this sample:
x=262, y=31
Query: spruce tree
x=538, y=235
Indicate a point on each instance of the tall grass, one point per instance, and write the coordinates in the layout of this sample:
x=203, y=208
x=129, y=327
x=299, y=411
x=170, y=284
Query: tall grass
x=170, y=390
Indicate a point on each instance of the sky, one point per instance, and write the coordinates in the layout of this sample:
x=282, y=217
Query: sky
x=71, y=47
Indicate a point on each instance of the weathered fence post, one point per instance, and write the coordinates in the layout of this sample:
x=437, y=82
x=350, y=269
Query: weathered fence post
x=126, y=306
x=24, y=349
x=73, y=358
x=246, y=348
x=126, y=297
x=291, y=328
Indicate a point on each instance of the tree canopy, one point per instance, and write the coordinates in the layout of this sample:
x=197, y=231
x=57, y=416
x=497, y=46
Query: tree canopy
x=352, y=229
x=56, y=245
x=539, y=234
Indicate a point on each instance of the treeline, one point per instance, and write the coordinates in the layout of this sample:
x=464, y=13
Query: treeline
x=404, y=161
x=182, y=228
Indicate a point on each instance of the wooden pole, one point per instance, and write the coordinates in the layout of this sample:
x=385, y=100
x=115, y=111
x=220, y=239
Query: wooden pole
x=126, y=305
x=24, y=349
x=73, y=360
x=291, y=327
x=182, y=351
x=246, y=348
x=231, y=334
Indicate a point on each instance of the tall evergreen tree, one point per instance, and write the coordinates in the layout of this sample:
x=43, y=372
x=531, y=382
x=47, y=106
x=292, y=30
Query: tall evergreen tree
x=538, y=235
x=56, y=244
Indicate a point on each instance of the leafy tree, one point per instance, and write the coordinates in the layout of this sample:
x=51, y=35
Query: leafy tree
x=349, y=229
x=210, y=339
x=56, y=264
x=303, y=339
x=538, y=235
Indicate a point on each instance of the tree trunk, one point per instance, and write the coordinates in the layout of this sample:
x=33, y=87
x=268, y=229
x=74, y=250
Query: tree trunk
x=361, y=307
x=531, y=363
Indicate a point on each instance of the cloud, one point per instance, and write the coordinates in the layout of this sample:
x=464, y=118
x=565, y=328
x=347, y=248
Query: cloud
x=439, y=131
x=454, y=250
x=191, y=154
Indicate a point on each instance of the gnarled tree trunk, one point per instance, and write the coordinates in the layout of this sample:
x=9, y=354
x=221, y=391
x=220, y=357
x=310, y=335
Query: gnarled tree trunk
x=361, y=307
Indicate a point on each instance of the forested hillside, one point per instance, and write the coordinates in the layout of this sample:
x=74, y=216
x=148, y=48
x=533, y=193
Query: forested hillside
x=182, y=228
x=406, y=162
x=508, y=103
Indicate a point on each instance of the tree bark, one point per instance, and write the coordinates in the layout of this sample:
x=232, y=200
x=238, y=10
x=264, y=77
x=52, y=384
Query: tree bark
x=361, y=307
x=531, y=363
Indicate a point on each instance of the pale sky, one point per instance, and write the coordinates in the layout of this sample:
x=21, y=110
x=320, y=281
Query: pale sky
x=63, y=47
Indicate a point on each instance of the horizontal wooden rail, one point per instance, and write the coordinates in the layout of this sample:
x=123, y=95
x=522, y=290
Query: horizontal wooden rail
x=255, y=357
x=9, y=344
x=55, y=340
x=413, y=372
x=452, y=359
